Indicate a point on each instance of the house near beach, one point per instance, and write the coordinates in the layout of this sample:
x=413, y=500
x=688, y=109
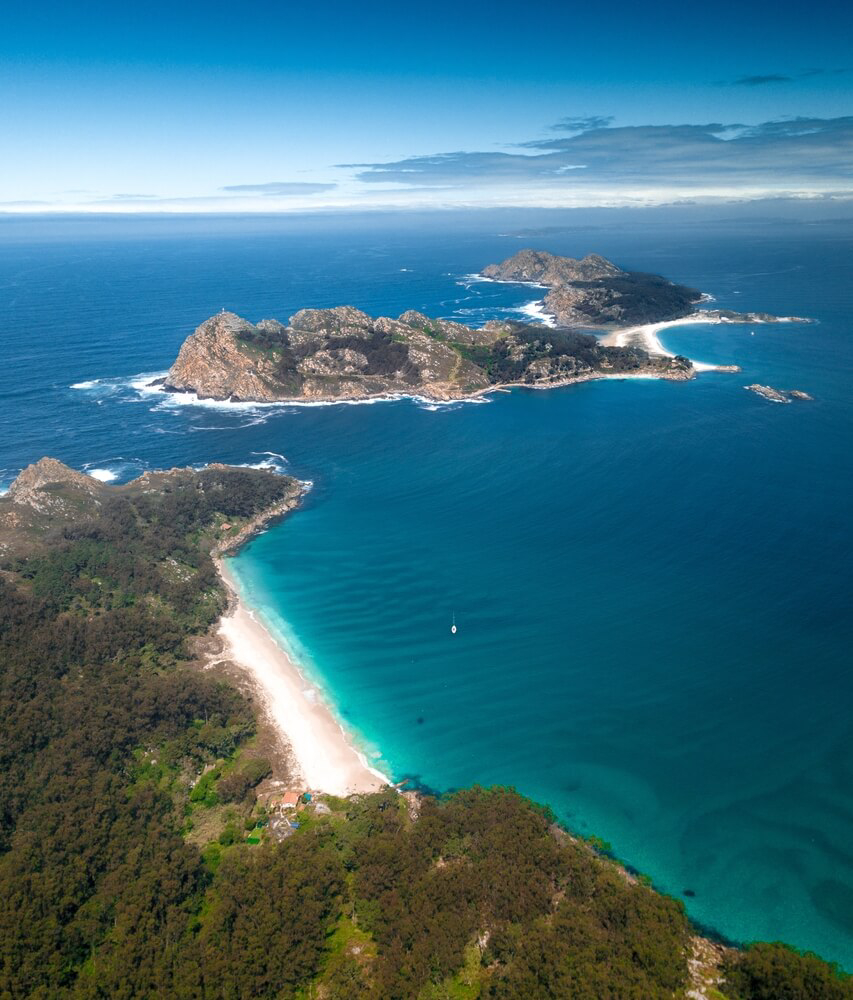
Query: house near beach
x=287, y=800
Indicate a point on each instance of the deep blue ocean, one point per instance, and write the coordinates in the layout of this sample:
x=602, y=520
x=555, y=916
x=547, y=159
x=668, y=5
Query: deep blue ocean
x=651, y=581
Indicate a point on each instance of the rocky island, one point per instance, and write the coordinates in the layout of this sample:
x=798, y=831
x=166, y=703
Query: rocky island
x=778, y=395
x=594, y=292
x=344, y=354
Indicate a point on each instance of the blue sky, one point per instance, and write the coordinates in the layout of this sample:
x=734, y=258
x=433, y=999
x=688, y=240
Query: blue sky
x=218, y=106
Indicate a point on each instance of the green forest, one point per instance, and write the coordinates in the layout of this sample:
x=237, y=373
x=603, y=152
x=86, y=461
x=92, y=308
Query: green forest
x=137, y=861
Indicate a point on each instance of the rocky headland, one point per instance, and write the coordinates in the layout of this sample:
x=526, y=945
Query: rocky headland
x=48, y=498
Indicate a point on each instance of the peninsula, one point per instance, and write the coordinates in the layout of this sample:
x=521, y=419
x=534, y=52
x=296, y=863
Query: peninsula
x=343, y=354
x=146, y=847
x=227, y=506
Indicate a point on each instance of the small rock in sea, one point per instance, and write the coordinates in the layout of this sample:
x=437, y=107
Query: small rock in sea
x=689, y=892
x=777, y=395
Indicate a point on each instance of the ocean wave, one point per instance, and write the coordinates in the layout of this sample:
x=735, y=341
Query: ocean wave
x=432, y=405
x=118, y=468
x=477, y=315
x=268, y=464
x=142, y=390
x=533, y=310
x=176, y=400
x=254, y=421
x=271, y=454
x=466, y=280
x=101, y=388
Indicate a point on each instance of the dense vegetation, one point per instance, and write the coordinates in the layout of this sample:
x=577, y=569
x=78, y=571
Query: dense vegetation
x=509, y=357
x=777, y=972
x=640, y=297
x=136, y=862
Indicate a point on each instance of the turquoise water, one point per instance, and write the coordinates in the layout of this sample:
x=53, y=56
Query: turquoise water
x=651, y=580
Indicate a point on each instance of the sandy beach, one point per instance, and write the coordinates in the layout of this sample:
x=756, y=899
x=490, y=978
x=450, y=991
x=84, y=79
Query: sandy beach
x=647, y=337
x=328, y=762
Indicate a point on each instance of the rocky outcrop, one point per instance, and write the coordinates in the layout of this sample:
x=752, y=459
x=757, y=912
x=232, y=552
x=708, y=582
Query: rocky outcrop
x=344, y=354
x=542, y=268
x=730, y=316
x=594, y=291
x=778, y=395
x=45, y=496
x=321, y=354
x=214, y=363
x=31, y=481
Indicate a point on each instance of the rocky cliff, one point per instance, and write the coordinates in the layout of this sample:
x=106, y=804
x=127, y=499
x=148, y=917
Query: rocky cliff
x=321, y=354
x=595, y=292
x=342, y=353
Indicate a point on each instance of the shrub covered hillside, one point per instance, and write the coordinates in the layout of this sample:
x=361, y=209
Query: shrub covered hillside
x=137, y=861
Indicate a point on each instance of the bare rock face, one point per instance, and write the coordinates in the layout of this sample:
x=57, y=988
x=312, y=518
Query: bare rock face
x=456, y=333
x=31, y=485
x=213, y=364
x=345, y=320
x=323, y=354
x=44, y=497
x=342, y=353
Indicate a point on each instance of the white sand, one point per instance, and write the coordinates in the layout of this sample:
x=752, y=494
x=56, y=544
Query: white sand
x=327, y=760
x=646, y=337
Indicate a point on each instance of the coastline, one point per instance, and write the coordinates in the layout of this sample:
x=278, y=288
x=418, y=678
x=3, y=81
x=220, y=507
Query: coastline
x=327, y=759
x=646, y=336
x=324, y=753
